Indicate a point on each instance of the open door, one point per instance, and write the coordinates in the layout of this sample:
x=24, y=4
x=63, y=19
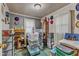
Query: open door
x=45, y=32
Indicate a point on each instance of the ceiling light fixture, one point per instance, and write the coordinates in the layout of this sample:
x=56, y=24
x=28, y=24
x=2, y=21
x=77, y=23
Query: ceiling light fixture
x=37, y=6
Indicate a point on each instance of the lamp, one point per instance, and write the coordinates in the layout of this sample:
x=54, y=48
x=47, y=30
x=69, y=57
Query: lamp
x=37, y=6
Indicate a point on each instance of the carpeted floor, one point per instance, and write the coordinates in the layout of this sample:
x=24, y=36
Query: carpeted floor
x=45, y=52
x=24, y=52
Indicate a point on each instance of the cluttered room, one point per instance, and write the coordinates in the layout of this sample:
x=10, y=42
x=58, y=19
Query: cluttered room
x=39, y=29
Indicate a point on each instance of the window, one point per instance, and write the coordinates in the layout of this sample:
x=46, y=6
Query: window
x=63, y=24
x=29, y=24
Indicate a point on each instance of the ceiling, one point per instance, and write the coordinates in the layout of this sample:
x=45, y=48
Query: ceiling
x=28, y=8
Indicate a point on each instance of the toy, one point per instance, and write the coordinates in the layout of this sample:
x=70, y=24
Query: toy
x=5, y=33
x=53, y=51
x=33, y=44
x=50, y=40
x=34, y=51
x=7, y=18
x=51, y=18
x=33, y=41
x=16, y=20
x=40, y=40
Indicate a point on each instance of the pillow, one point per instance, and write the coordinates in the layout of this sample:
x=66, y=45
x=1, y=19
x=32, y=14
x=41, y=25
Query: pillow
x=73, y=37
x=76, y=37
x=67, y=35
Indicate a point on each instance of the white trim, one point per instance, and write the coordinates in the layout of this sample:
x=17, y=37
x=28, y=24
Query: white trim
x=62, y=10
x=24, y=15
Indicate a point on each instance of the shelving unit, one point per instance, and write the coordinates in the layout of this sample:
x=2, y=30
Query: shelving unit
x=19, y=40
x=6, y=36
x=40, y=38
x=8, y=40
x=19, y=34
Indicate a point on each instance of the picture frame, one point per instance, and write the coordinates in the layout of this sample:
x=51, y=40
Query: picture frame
x=77, y=24
x=77, y=16
x=77, y=7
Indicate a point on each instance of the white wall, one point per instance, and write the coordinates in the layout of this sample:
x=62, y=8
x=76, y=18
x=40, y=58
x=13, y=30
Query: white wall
x=63, y=10
x=59, y=12
x=5, y=26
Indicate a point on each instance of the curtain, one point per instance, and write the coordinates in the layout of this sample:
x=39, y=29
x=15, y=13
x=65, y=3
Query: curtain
x=62, y=26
